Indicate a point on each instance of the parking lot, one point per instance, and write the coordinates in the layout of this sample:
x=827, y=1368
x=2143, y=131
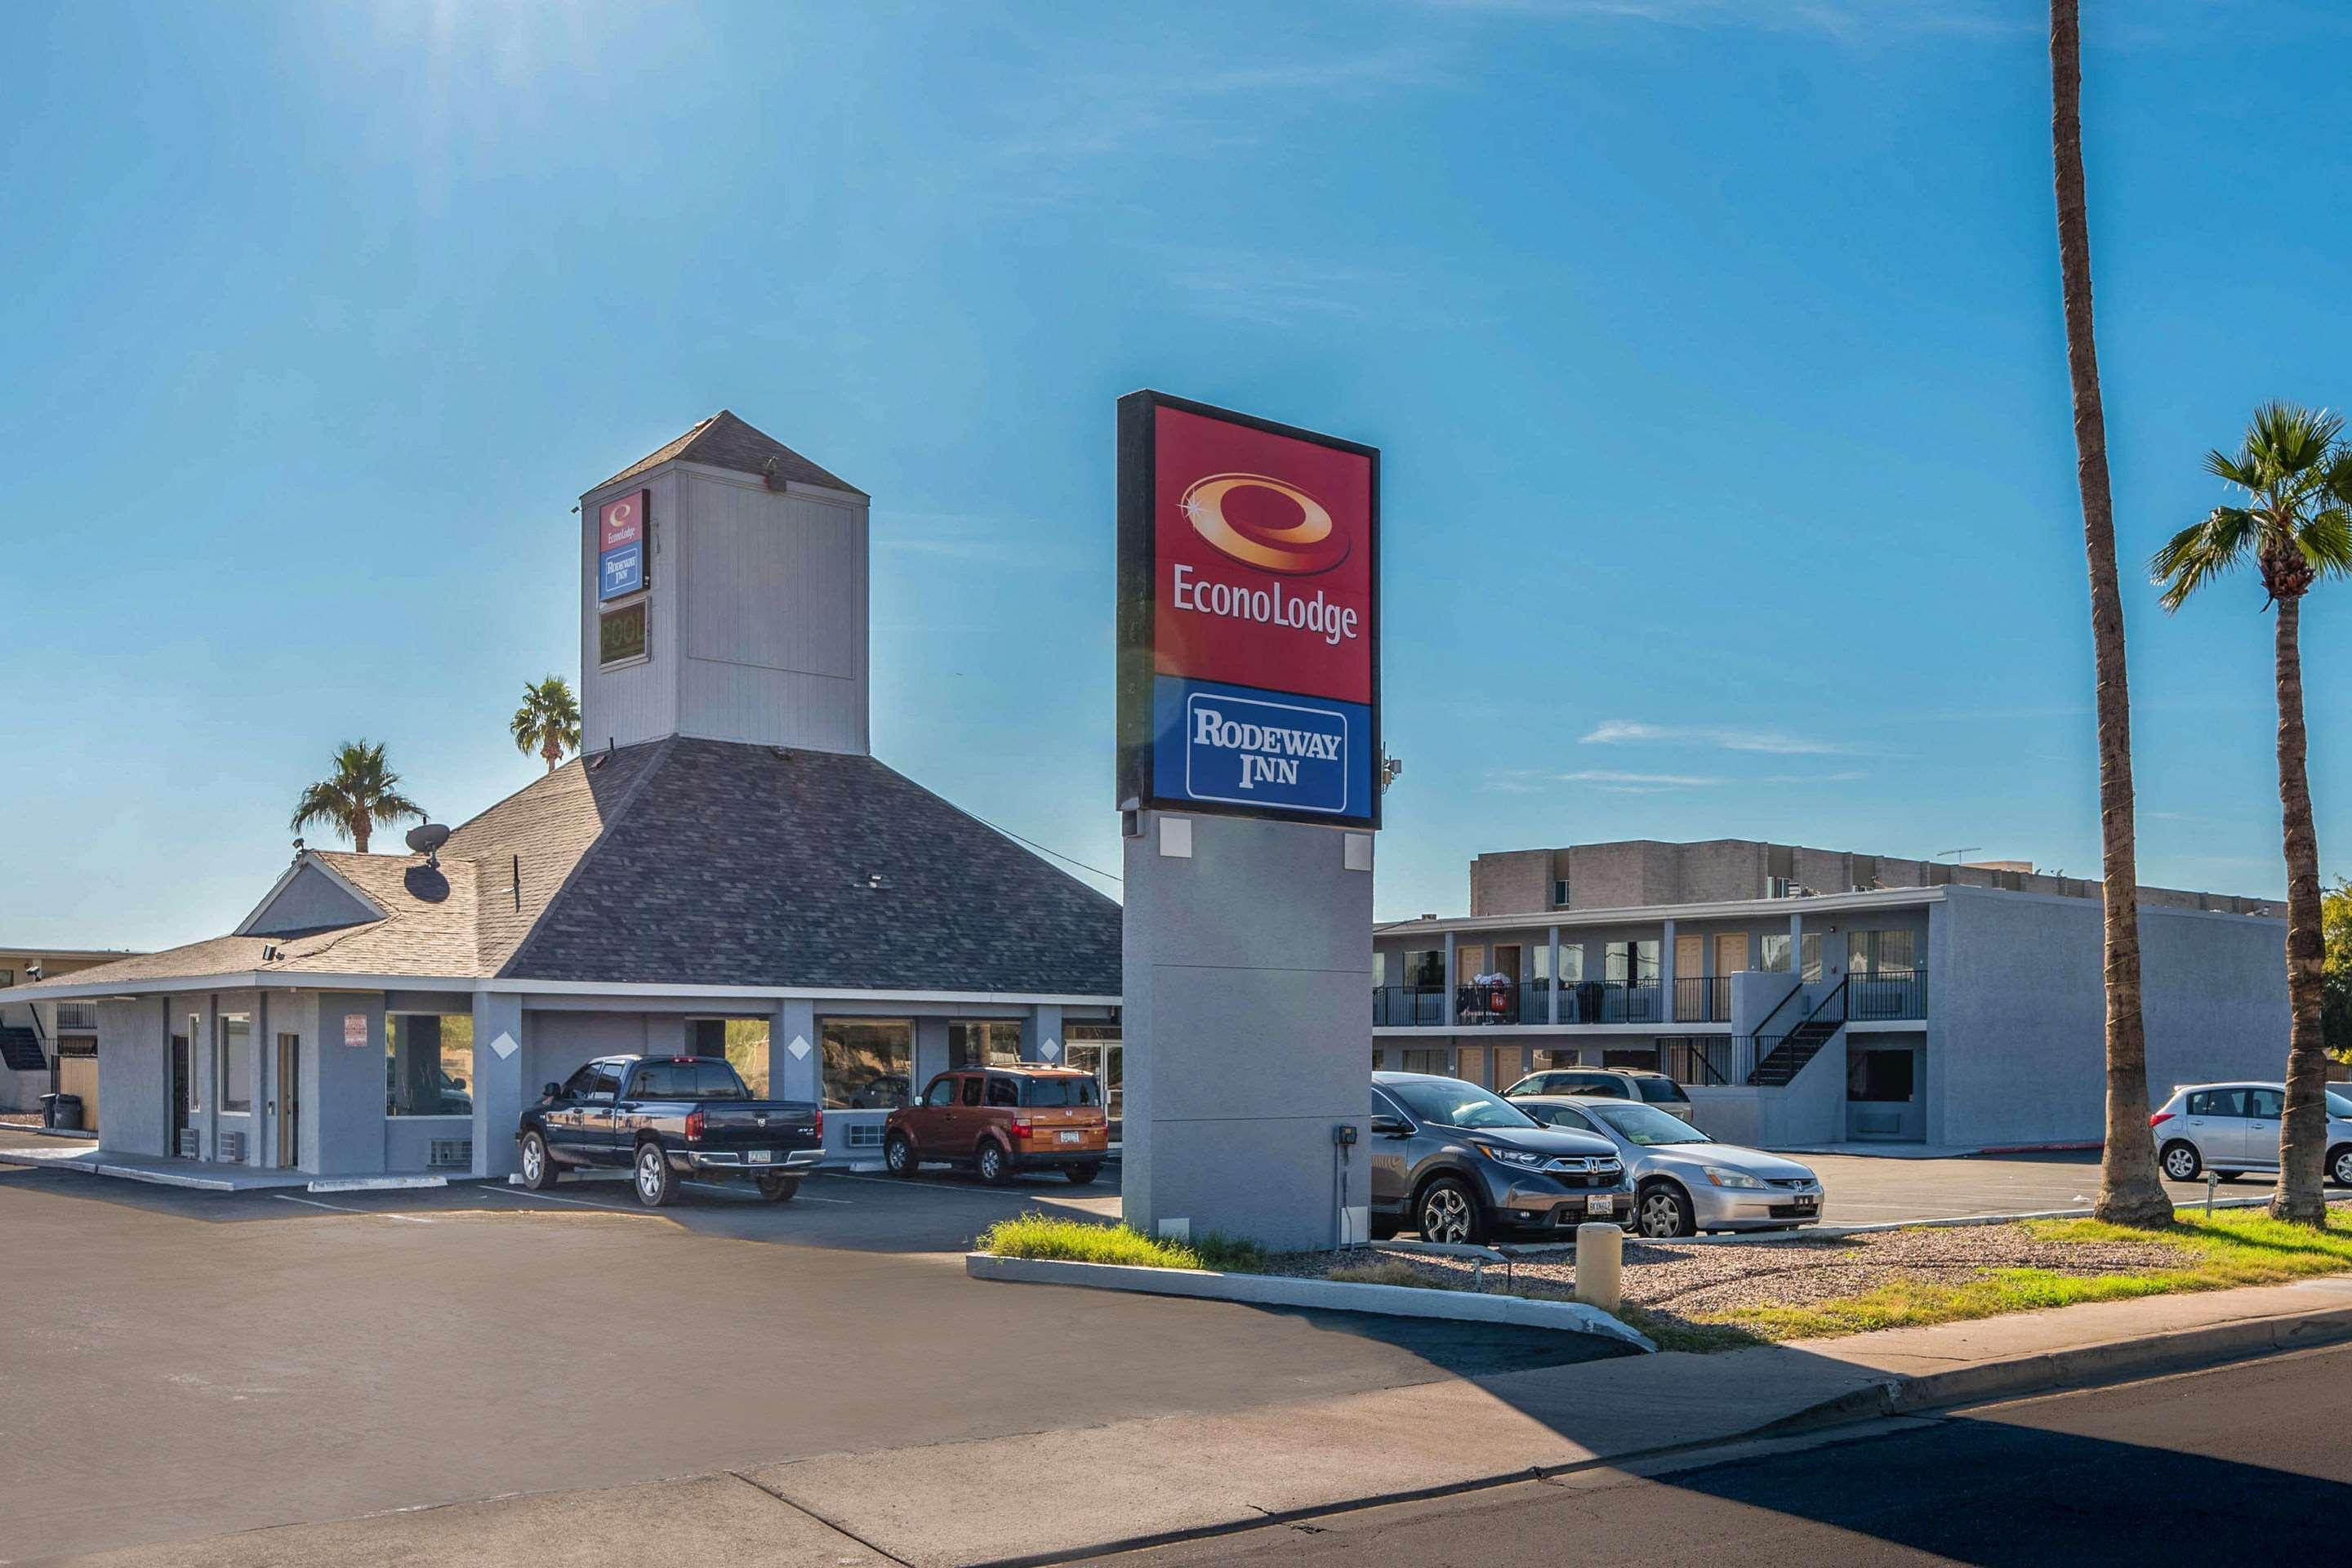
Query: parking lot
x=186, y=1364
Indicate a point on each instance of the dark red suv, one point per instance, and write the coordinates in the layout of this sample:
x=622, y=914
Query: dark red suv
x=998, y=1121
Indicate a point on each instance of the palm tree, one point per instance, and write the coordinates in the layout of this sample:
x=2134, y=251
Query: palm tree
x=2296, y=528
x=358, y=797
x=2129, y=1192
x=548, y=722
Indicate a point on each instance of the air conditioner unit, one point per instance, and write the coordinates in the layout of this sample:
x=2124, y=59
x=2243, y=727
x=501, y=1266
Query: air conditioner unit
x=444, y=1153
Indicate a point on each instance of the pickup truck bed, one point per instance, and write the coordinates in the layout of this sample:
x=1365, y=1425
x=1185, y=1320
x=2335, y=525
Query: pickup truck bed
x=664, y=1118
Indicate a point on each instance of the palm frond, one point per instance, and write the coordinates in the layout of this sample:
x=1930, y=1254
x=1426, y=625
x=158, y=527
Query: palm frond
x=2202, y=552
x=2326, y=541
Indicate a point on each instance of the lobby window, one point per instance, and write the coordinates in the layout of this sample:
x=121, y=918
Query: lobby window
x=984, y=1043
x=1774, y=952
x=429, y=1064
x=742, y=1041
x=236, y=1063
x=621, y=633
x=867, y=1062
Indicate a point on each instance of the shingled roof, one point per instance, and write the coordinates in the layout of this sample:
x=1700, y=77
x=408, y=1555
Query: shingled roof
x=723, y=441
x=703, y=863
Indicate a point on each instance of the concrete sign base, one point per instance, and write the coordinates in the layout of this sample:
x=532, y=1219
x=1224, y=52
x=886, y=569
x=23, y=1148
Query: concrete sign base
x=1248, y=1029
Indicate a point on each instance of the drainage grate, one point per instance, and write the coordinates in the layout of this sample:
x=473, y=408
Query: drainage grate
x=450, y=1152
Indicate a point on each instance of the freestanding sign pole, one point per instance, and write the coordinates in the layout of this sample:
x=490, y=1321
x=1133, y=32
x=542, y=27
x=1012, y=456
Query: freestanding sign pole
x=1248, y=771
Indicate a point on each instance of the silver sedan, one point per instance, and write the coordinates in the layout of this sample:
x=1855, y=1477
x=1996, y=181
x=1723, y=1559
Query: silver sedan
x=1685, y=1182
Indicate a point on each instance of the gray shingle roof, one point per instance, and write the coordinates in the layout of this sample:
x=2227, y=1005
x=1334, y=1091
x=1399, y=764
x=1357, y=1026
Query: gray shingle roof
x=723, y=441
x=703, y=863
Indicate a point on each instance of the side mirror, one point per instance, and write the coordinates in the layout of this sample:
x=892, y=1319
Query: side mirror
x=553, y=1091
x=1392, y=1127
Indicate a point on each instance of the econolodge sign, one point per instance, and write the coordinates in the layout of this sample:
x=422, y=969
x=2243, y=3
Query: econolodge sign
x=621, y=544
x=1248, y=615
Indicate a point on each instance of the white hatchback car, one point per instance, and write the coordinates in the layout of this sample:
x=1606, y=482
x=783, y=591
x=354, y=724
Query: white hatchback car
x=2232, y=1128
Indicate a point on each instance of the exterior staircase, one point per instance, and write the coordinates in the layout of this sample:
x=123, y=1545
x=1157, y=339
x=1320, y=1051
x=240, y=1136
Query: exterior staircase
x=20, y=1049
x=1777, y=1063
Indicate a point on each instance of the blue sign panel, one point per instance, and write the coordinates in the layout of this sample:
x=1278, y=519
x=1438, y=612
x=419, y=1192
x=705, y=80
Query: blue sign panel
x=1236, y=746
x=621, y=570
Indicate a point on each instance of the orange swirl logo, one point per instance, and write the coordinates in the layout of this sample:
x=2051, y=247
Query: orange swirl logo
x=1264, y=522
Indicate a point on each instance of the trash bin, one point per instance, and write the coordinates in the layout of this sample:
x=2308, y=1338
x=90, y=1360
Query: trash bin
x=61, y=1113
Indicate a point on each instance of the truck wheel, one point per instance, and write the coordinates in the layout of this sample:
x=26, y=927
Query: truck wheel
x=1081, y=1175
x=995, y=1168
x=779, y=1189
x=537, y=1169
x=655, y=1182
x=898, y=1154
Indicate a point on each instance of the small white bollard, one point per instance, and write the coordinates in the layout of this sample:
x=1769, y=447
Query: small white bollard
x=1599, y=1265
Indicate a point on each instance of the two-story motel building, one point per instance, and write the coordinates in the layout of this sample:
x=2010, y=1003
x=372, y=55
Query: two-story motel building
x=1806, y=997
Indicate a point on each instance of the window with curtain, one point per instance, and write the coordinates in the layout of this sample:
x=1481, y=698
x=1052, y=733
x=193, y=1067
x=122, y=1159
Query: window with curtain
x=1424, y=966
x=1773, y=952
x=1878, y=951
x=236, y=1063
x=1808, y=957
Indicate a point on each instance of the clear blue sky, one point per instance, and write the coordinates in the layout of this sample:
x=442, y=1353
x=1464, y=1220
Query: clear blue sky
x=1714, y=346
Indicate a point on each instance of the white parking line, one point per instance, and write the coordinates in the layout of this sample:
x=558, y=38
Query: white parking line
x=344, y=1208
x=724, y=1187
x=950, y=1188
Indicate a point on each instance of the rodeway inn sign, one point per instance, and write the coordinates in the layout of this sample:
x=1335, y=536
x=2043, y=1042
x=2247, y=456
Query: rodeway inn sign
x=1248, y=615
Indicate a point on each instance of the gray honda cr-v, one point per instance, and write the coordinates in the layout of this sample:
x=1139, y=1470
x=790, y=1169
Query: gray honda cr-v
x=1459, y=1163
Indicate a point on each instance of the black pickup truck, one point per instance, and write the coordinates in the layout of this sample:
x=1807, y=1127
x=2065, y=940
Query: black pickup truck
x=666, y=1117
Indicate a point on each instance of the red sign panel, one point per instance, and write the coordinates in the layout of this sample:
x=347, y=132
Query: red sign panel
x=1262, y=559
x=623, y=522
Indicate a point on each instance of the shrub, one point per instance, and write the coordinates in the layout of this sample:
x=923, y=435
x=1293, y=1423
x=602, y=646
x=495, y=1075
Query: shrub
x=1394, y=1271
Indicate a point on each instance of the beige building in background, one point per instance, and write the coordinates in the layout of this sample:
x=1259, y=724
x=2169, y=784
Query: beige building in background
x=46, y=1045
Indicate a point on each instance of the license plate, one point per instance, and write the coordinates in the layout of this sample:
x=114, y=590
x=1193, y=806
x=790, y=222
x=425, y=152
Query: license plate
x=1599, y=1203
x=1070, y=1137
x=760, y=1157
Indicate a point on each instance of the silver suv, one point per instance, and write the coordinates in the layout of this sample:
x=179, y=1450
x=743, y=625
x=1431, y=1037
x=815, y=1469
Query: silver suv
x=1609, y=1083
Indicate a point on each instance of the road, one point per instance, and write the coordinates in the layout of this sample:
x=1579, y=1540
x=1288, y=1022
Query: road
x=2238, y=1461
x=182, y=1364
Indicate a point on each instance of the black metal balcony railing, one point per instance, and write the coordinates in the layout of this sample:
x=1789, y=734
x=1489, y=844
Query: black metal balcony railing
x=1702, y=999
x=1702, y=1059
x=77, y=1015
x=1488, y=1002
x=1409, y=1007
x=1887, y=994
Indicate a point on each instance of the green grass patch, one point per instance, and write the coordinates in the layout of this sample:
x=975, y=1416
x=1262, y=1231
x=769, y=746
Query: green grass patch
x=1078, y=1241
x=2215, y=1254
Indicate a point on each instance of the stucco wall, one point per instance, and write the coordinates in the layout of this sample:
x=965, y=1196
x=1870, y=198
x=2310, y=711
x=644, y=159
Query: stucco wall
x=132, y=1060
x=347, y=1118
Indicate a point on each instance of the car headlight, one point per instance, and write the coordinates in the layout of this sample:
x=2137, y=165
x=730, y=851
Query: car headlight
x=1728, y=1178
x=1518, y=1157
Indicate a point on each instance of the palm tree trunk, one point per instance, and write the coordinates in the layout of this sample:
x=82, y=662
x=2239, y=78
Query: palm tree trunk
x=2302, y=1130
x=2129, y=1192
x=359, y=825
x=553, y=751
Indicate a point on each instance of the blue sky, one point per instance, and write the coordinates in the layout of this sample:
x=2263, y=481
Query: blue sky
x=1713, y=345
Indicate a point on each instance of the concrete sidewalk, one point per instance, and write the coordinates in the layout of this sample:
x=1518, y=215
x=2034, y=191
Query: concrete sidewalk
x=1050, y=1495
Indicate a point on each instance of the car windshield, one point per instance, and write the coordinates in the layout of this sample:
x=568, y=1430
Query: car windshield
x=1643, y=1124
x=2339, y=1106
x=686, y=1080
x=1455, y=1104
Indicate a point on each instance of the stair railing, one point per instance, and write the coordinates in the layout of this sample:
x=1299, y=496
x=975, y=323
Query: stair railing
x=1763, y=1052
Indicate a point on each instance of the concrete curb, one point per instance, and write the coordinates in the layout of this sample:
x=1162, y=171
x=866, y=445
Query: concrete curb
x=2116, y=1360
x=1279, y=1290
x=374, y=1183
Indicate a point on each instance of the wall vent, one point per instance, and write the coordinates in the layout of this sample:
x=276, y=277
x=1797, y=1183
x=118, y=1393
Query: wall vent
x=442, y=1153
x=192, y=1144
x=866, y=1135
x=231, y=1148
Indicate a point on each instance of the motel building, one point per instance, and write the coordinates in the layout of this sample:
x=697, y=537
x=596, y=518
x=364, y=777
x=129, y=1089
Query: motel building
x=727, y=870
x=1805, y=998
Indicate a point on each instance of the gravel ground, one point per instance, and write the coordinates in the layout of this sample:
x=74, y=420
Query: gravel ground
x=20, y=1119
x=1689, y=1281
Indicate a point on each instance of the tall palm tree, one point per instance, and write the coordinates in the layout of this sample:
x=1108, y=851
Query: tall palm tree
x=2296, y=527
x=360, y=795
x=548, y=722
x=2129, y=1192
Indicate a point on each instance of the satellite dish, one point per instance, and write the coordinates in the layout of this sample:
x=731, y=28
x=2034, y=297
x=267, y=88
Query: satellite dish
x=427, y=837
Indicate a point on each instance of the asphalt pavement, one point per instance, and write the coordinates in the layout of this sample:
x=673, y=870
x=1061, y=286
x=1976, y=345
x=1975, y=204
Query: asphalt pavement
x=2237, y=1461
